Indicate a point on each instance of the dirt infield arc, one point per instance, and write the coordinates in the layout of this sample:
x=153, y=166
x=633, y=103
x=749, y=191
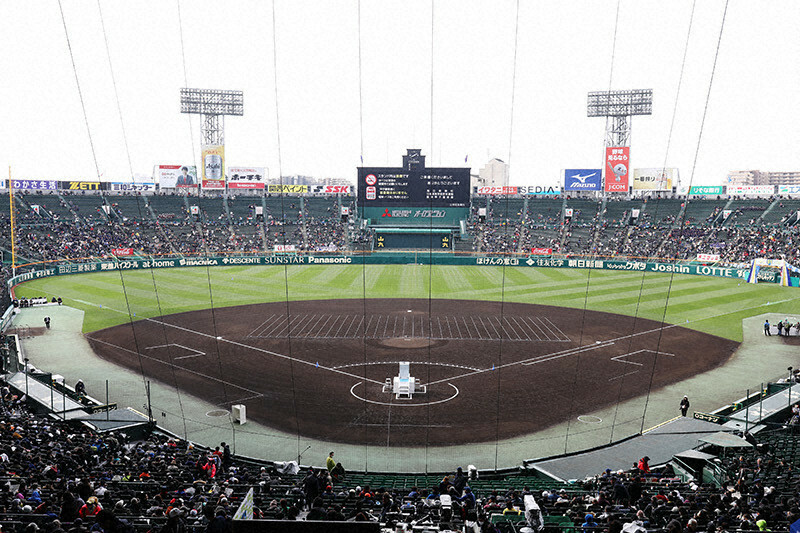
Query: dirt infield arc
x=492, y=370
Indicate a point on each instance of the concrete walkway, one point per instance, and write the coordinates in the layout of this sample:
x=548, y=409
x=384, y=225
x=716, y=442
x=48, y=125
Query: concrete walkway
x=64, y=350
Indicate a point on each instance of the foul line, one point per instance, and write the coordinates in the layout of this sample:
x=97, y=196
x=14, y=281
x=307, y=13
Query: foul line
x=156, y=359
x=197, y=353
x=361, y=378
x=268, y=352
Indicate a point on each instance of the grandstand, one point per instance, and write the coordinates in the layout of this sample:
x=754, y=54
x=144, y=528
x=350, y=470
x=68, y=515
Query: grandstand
x=188, y=345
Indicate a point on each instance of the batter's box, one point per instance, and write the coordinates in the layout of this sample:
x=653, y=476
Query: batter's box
x=623, y=359
x=194, y=353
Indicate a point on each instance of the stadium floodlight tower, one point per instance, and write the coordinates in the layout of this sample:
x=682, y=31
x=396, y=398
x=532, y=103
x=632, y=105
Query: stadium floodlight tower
x=620, y=106
x=213, y=105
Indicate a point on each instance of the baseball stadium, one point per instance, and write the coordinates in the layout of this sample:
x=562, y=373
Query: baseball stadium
x=414, y=347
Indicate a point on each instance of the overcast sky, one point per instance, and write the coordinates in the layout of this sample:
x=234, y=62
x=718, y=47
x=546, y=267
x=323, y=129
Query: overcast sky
x=464, y=59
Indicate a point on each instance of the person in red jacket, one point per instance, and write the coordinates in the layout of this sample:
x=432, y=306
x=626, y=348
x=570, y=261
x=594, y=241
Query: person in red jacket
x=644, y=464
x=90, y=508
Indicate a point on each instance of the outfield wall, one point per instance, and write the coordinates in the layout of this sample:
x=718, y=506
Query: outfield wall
x=408, y=258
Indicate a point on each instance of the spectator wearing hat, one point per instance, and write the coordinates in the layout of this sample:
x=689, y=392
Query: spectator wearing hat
x=589, y=525
x=90, y=508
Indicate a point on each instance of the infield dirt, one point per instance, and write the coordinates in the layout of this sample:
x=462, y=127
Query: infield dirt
x=492, y=370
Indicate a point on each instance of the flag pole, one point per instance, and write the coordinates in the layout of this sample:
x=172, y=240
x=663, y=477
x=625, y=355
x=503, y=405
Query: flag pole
x=11, y=213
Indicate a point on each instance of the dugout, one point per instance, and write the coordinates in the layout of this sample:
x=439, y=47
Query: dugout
x=437, y=239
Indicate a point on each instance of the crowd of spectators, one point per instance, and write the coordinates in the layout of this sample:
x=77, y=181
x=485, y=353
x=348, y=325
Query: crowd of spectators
x=61, y=476
x=66, y=227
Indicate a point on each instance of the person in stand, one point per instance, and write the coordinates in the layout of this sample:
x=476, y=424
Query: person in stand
x=684, y=405
x=767, y=329
x=47, y=322
x=330, y=463
x=80, y=388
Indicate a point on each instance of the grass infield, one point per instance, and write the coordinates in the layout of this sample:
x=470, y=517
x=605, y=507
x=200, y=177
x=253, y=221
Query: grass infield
x=711, y=305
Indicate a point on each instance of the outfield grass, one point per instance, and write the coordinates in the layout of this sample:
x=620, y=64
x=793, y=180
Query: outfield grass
x=713, y=305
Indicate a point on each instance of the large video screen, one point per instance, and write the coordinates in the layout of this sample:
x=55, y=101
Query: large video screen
x=424, y=187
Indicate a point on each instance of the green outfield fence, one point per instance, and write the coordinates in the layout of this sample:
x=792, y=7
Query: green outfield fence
x=48, y=269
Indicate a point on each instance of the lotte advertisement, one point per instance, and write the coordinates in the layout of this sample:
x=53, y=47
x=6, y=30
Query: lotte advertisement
x=213, y=166
x=617, y=168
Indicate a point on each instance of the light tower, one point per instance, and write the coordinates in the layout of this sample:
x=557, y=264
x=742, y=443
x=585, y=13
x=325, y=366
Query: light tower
x=619, y=106
x=213, y=105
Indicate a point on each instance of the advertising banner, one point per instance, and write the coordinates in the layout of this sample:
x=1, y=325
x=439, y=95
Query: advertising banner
x=617, y=167
x=654, y=179
x=330, y=189
x=33, y=185
x=492, y=190
x=540, y=190
x=132, y=187
x=704, y=190
x=750, y=190
x=708, y=258
x=247, y=177
x=82, y=185
x=287, y=189
x=789, y=189
x=213, y=157
x=582, y=179
x=176, y=176
x=541, y=251
x=772, y=276
x=284, y=248
x=122, y=252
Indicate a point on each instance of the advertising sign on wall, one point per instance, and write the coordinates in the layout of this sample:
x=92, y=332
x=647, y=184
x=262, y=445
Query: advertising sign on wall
x=708, y=258
x=617, y=168
x=705, y=190
x=176, y=176
x=540, y=190
x=789, y=189
x=541, y=251
x=213, y=157
x=33, y=185
x=287, y=189
x=750, y=190
x=654, y=179
x=132, y=187
x=582, y=179
x=493, y=190
x=247, y=177
x=82, y=185
x=329, y=189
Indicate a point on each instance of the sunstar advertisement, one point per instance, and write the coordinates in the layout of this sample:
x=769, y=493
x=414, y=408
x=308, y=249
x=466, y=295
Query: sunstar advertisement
x=617, y=168
x=213, y=157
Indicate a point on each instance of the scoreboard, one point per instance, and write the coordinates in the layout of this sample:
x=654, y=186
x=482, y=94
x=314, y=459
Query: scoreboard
x=412, y=195
x=424, y=187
